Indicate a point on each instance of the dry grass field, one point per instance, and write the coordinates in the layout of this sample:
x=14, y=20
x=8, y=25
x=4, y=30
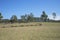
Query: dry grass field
x=30, y=31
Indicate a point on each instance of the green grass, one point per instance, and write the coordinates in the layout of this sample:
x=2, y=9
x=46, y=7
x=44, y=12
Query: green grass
x=48, y=31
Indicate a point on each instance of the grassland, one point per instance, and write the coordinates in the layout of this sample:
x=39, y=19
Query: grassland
x=47, y=31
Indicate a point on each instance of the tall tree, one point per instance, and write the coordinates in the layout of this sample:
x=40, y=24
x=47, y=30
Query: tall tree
x=13, y=19
x=27, y=17
x=54, y=15
x=44, y=16
x=1, y=17
x=30, y=17
x=23, y=18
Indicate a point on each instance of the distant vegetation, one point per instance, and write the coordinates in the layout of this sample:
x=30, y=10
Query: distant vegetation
x=29, y=18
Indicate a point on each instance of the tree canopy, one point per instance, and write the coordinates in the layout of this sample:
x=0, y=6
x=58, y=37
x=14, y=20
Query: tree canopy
x=13, y=18
x=44, y=16
x=1, y=17
x=54, y=15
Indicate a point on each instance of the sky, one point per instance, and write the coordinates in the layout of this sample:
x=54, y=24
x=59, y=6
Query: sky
x=22, y=7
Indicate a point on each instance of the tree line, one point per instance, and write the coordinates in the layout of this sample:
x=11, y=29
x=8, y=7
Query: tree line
x=27, y=18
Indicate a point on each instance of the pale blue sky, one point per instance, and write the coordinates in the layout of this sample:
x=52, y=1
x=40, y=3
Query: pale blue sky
x=21, y=7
